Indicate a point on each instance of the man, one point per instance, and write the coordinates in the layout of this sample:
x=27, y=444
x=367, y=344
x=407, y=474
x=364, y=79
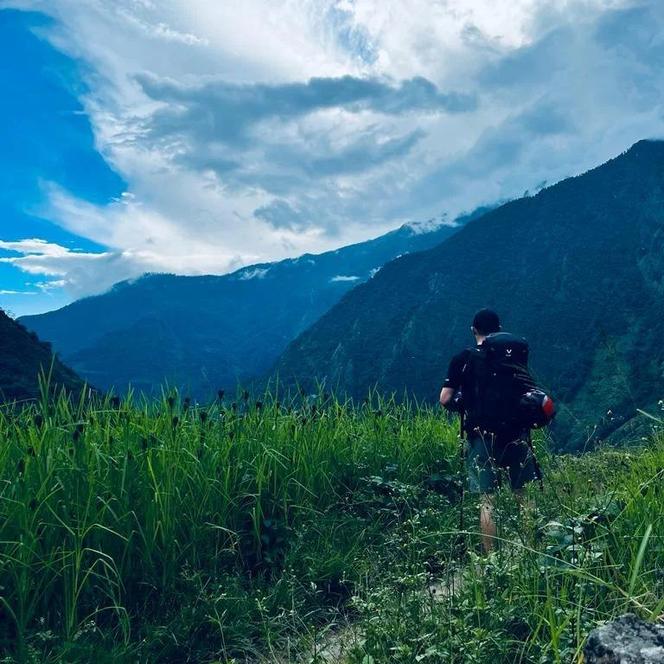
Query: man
x=497, y=442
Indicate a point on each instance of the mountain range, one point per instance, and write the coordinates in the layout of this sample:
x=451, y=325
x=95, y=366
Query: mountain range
x=209, y=332
x=22, y=358
x=578, y=269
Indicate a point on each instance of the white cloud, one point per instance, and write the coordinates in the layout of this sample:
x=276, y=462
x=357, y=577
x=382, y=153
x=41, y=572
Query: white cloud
x=253, y=273
x=344, y=277
x=79, y=272
x=258, y=130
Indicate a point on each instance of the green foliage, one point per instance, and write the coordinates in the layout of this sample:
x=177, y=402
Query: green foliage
x=173, y=532
x=580, y=552
x=183, y=529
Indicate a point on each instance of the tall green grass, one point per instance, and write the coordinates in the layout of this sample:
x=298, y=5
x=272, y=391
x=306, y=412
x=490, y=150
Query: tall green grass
x=110, y=512
x=587, y=548
x=172, y=532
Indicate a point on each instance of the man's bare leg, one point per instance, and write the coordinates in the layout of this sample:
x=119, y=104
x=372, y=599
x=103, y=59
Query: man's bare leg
x=487, y=524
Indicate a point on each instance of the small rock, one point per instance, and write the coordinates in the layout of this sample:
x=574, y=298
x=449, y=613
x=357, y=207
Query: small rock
x=626, y=640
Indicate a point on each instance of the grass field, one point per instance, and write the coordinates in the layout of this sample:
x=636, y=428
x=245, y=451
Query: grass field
x=248, y=531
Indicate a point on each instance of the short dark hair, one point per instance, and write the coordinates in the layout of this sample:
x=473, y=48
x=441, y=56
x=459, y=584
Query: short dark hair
x=486, y=322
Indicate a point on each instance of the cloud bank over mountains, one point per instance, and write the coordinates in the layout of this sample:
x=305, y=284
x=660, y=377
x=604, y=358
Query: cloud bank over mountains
x=258, y=130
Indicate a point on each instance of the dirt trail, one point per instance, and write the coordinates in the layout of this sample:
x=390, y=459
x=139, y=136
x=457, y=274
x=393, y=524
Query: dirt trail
x=336, y=644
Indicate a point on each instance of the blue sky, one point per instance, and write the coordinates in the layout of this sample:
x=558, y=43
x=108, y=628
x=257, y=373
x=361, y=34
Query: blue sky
x=46, y=137
x=194, y=136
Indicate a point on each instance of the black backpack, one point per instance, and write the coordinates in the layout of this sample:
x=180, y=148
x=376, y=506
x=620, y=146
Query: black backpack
x=497, y=379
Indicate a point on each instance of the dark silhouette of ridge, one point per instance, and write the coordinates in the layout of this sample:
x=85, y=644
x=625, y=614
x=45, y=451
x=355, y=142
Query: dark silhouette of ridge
x=22, y=357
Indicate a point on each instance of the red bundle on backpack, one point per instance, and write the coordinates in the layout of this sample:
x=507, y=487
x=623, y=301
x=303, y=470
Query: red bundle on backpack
x=537, y=408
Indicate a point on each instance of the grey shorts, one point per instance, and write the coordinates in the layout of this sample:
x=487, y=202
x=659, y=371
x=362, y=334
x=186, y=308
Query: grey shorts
x=489, y=461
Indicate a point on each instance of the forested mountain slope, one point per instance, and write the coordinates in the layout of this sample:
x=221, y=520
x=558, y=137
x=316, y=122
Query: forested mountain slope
x=578, y=269
x=22, y=357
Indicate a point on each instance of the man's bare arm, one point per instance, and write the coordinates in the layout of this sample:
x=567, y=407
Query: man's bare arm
x=446, y=395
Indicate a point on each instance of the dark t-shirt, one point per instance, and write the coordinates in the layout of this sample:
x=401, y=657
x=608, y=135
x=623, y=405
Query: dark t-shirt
x=455, y=373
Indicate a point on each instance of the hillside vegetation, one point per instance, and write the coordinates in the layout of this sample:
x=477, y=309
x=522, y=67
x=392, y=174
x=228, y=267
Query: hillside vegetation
x=577, y=269
x=254, y=532
x=22, y=358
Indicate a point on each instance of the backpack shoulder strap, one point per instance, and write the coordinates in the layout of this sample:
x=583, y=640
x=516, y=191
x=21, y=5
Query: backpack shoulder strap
x=474, y=379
